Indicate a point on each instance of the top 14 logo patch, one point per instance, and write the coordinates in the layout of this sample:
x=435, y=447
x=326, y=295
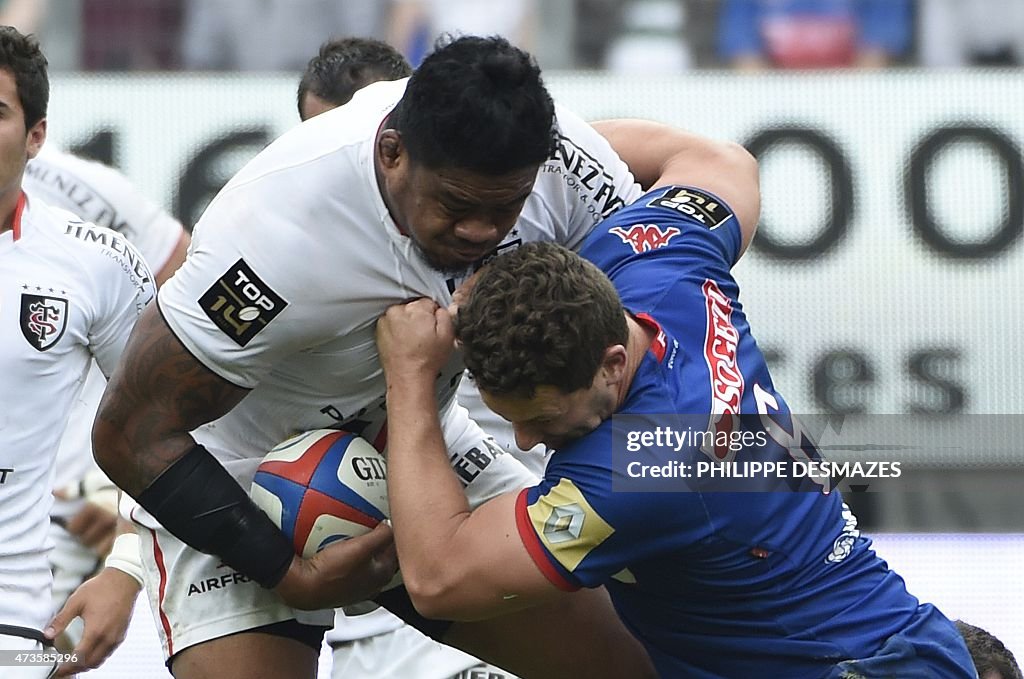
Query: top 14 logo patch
x=698, y=205
x=43, y=319
x=241, y=304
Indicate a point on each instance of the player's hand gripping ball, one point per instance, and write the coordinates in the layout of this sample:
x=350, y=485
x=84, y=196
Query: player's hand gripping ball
x=322, y=486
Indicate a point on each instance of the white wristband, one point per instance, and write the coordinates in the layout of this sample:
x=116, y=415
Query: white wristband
x=124, y=556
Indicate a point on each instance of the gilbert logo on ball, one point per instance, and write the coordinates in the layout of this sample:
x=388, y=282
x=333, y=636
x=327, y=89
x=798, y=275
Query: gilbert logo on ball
x=322, y=486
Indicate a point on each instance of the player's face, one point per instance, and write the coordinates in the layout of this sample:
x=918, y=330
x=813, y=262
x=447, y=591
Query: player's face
x=456, y=217
x=17, y=145
x=551, y=416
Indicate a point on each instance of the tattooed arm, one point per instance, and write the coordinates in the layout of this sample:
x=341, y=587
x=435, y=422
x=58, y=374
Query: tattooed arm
x=156, y=396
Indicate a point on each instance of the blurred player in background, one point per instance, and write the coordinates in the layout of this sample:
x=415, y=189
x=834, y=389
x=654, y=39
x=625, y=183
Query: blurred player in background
x=84, y=515
x=716, y=584
x=342, y=67
x=377, y=643
x=991, y=657
x=70, y=293
x=401, y=192
x=102, y=195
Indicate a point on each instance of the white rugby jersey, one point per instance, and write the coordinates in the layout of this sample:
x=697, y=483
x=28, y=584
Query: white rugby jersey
x=296, y=258
x=99, y=194
x=70, y=292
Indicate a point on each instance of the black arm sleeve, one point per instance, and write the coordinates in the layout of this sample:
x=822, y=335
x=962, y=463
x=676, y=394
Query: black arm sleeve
x=203, y=506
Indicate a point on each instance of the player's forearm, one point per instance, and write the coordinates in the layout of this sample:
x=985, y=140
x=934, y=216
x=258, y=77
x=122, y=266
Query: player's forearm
x=134, y=466
x=158, y=393
x=650, y=149
x=428, y=505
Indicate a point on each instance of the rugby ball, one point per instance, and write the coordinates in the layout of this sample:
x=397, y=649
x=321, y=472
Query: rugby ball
x=322, y=486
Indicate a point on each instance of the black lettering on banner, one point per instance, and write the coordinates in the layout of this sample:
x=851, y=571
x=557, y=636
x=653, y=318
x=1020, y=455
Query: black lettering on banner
x=241, y=304
x=841, y=379
x=4, y=471
x=932, y=368
x=840, y=192
x=775, y=358
x=926, y=222
x=208, y=171
x=100, y=146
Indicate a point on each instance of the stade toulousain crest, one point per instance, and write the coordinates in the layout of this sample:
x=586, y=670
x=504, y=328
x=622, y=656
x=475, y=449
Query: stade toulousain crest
x=43, y=319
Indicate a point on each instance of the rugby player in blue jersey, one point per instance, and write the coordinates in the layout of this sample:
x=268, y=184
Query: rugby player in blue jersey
x=715, y=584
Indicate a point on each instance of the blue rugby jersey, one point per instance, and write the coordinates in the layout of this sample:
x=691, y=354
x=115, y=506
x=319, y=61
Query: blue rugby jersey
x=715, y=584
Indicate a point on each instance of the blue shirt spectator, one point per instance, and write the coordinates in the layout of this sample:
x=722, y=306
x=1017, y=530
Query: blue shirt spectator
x=813, y=33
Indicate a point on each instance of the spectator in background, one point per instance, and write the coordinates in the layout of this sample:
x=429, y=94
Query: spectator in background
x=803, y=34
x=991, y=658
x=955, y=33
x=270, y=35
x=652, y=40
x=415, y=24
x=25, y=15
x=130, y=35
x=597, y=23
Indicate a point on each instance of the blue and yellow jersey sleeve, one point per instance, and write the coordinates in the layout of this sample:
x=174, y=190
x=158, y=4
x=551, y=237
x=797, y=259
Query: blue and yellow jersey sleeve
x=560, y=529
x=581, y=533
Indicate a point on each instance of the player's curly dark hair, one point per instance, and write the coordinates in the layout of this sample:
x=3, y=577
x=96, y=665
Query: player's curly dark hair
x=477, y=104
x=345, y=65
x=20, y=54
x=541, y=315
x=988, y=653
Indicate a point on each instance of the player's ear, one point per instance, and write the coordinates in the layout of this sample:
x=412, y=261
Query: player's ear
x=613, y=364
x=390, y=150
x=34, y=138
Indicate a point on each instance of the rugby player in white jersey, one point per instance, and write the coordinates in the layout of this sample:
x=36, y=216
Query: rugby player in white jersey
x=70, y=293
x=267, y=329
x=84, y=513
x=376, y=643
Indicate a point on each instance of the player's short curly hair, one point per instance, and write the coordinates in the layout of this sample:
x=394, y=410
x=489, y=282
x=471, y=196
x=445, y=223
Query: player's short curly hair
x=541, y=315
x=344, y=65
x=20, y=54
x=989, y=654
x=476, y=104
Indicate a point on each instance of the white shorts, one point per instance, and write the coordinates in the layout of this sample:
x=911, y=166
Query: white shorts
x=406, y=653
x=195, y=598
x=12, y=667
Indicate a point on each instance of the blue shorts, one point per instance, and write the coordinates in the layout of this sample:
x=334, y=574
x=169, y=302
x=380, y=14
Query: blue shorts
x=929, y=648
